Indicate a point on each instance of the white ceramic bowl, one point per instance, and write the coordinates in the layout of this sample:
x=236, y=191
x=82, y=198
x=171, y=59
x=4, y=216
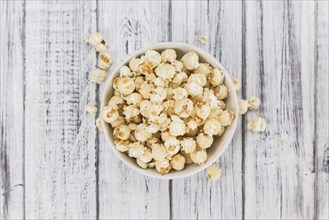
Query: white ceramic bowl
x=220, y=143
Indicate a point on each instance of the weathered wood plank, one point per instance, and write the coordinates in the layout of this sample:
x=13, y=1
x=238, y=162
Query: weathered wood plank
x=221, y=21
x=11, y=109
x=60, y=137
x=279, y=65
x=123, y=193
x=321, y=104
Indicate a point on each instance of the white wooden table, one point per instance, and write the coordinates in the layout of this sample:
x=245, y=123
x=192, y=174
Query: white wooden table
x=55, y=164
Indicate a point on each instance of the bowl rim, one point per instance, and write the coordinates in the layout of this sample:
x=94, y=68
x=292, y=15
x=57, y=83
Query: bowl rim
x=157, y=46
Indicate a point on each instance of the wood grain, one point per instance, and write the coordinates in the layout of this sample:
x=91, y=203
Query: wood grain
x=123, y=193
x=55, y=165
x=11, y=110
x=279, y=65
x=196, y=197
x=60, y=136
x=321, y=114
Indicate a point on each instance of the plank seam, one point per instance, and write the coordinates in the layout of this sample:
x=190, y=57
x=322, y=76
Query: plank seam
x=24, y=98
x=97, y=131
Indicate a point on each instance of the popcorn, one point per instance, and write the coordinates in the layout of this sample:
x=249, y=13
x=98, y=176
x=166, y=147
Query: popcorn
x=146, y=157
x=158, y=95
x=198, y=78
x=159, y=82
x=202, y=110
x=163, y=166
x=91, y=108
x=177, y=126
x=156, y=86
x=184, y=108
x=134, y=99
x=180, y=78
x=110, y=114
x=212, y=126
x=97, y=76
x=204, y=141
x=168, y=56
x=254, y=103
x=159, y=152
x=126, y=86
x=178, y=162
x=191, y=60
x=141, y=133
x=104, y=60
x=146, y=68
x=243, y=106
x=213, y=173
x=141, y=163
x=134, y=64
x=145, y=108
x=145, y=90
x=119, y=121
x=165, y=71
x=138, y=82
x=178, y=65
x=172, y=145
x=199, y=156
x=226, y=118
x=203, y=69
x=202, y=39
x=121, y=132
x=236, y=84
x=116, y=102
x=154, y=57
x=257, y=124
x=221, y=91
x=130, y=112
x=125, y=71
x=99, y=124
x=136, y=149
x=150, y=77
x=216, y=77
x=188, y=145
x=194, y=89
x=97, y=41
x=122, y=145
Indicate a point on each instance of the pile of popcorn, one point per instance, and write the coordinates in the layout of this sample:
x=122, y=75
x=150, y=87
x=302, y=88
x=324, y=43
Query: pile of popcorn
x=166, y=112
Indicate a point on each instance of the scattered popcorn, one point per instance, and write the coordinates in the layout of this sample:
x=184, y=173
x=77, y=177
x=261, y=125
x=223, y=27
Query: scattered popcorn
x=191, y=60
x=97, y=76
x=202, y=39
x=104, y=60
x=166, y=113
x=91, y=108
x=97, y=41
x=254, y=103
x=99, y=124
x=257, y=124
x=236, y=84
x=213, y=173
x=243, y=106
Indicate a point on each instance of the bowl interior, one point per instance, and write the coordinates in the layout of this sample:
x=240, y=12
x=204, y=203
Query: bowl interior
x=220, y=143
